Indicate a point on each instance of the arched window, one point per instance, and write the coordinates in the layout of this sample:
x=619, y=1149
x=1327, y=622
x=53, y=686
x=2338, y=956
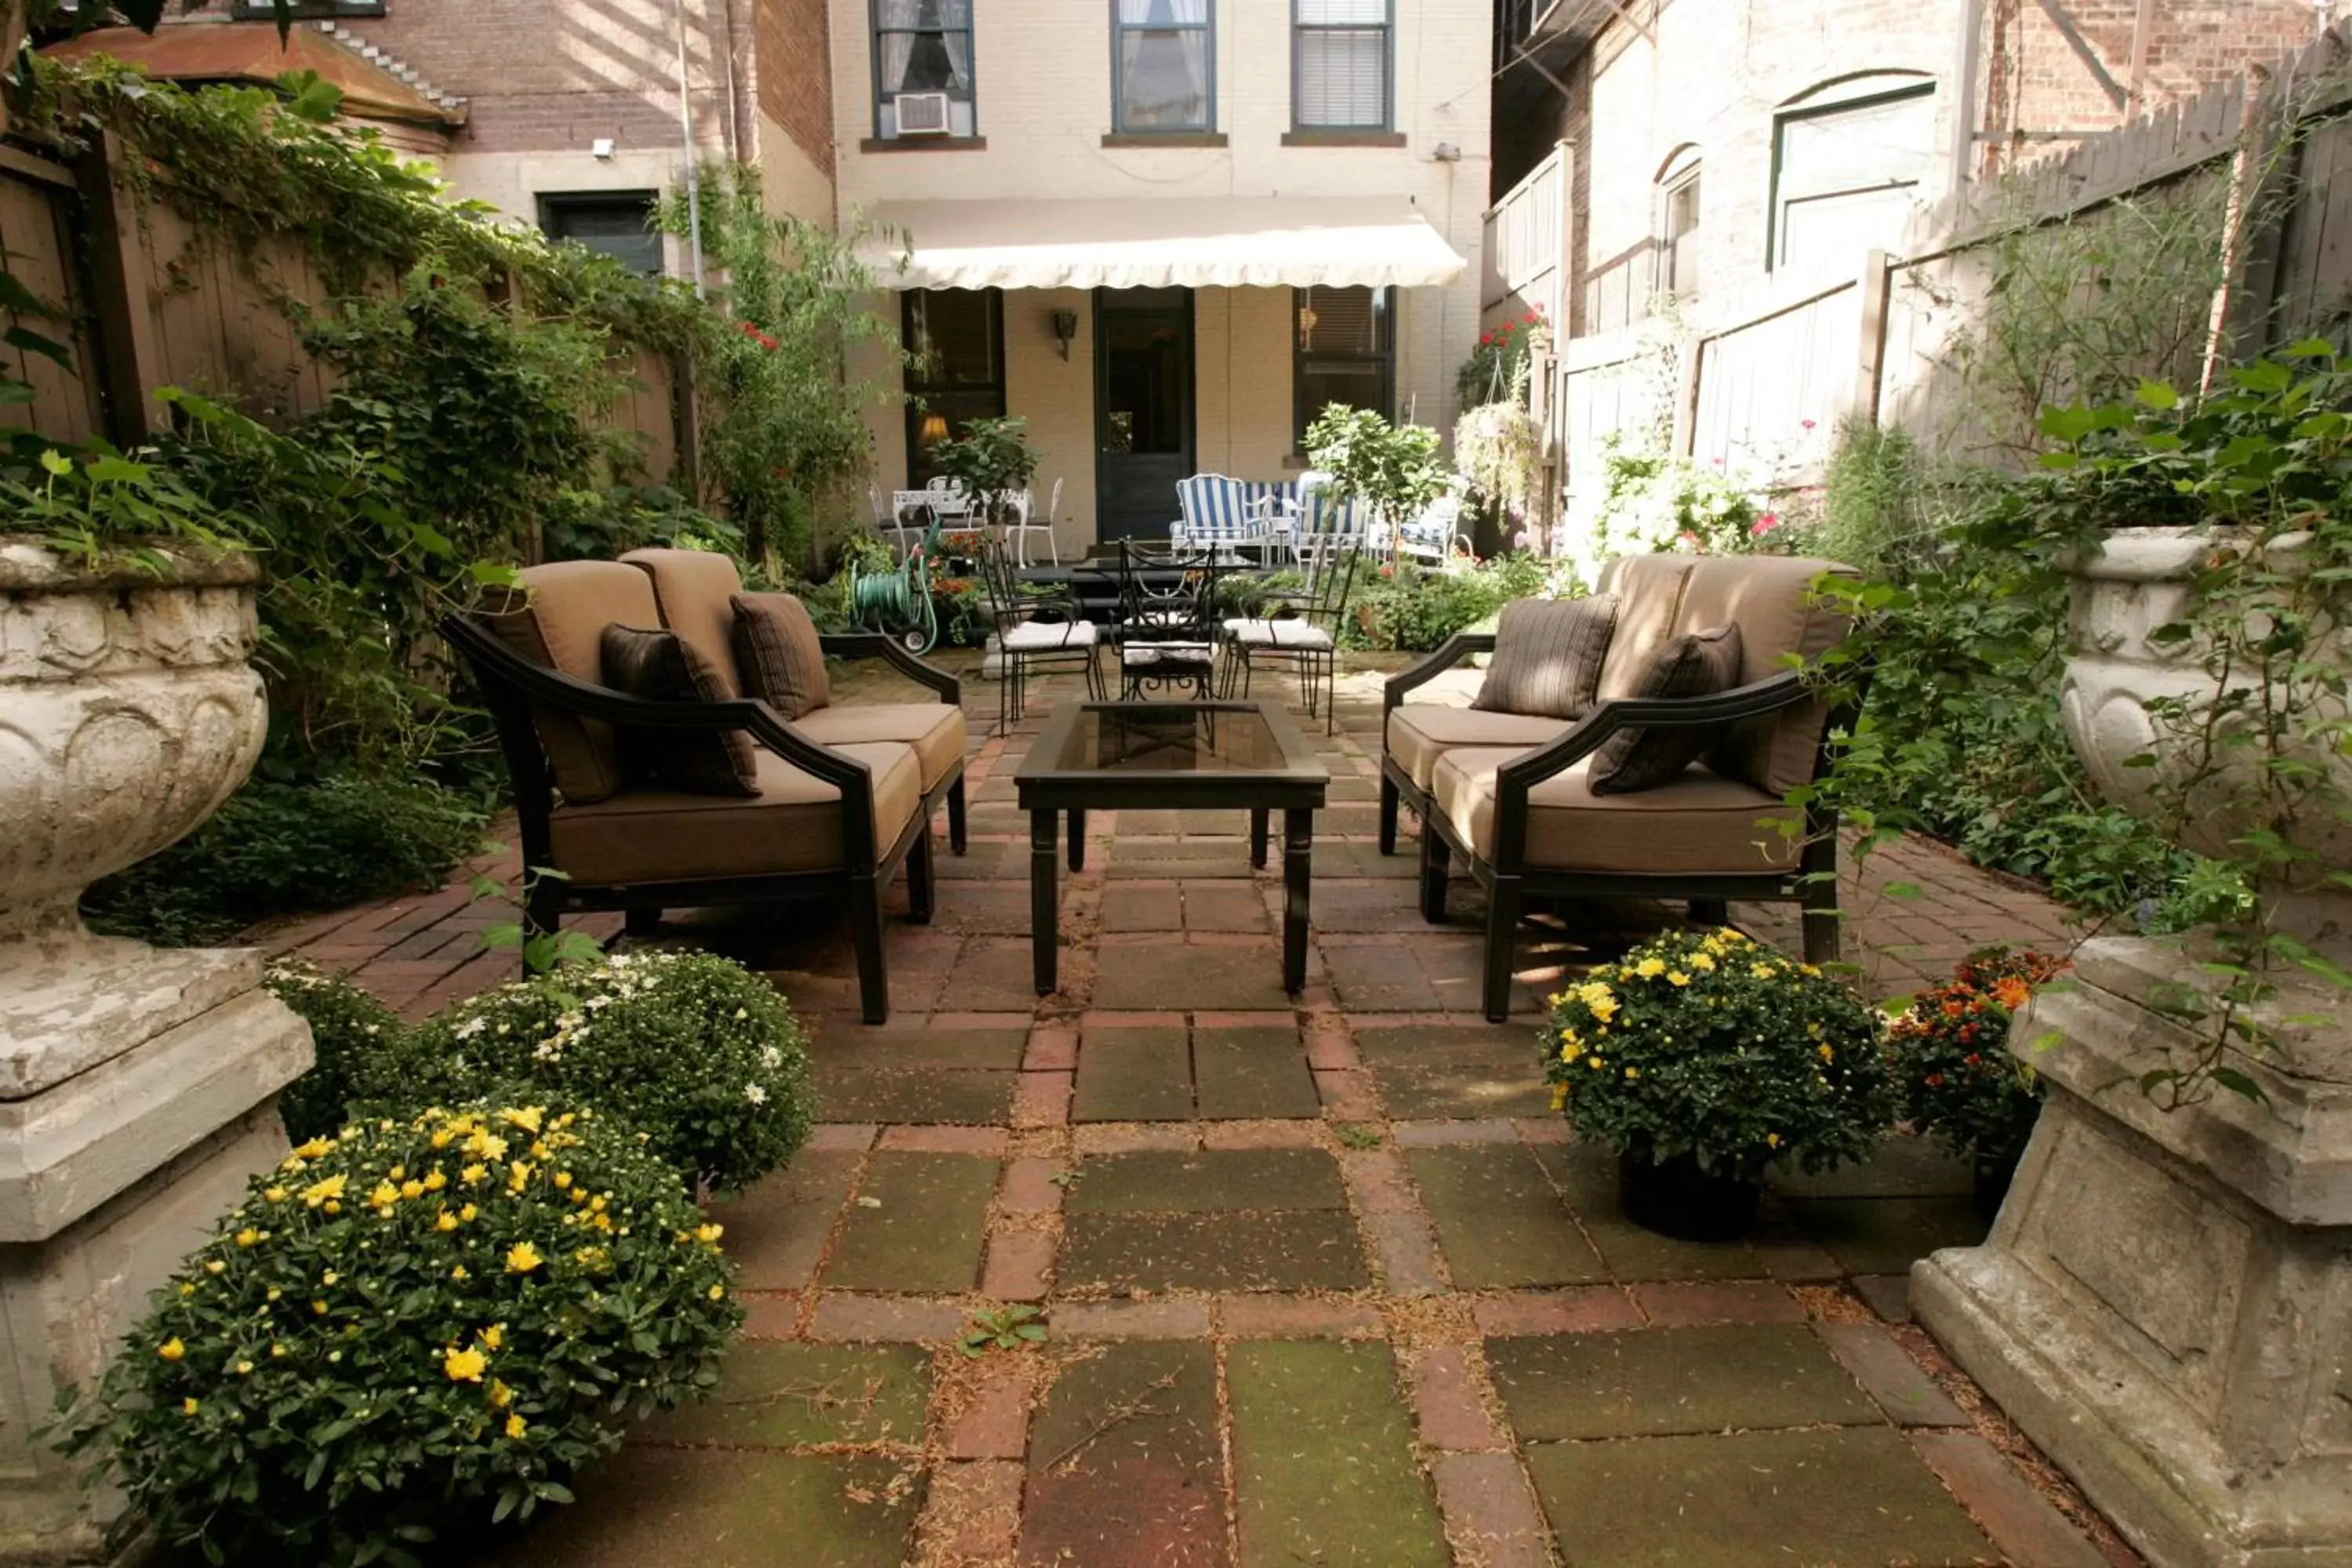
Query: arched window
x=1675, y=228
x=1848, y=160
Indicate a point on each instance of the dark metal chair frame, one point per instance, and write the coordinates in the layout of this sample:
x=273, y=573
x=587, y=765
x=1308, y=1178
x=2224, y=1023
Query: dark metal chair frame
x=1009, y=608
x=513, y=686
x=1185, y=612
x=1509, y=880
x=1334, y=561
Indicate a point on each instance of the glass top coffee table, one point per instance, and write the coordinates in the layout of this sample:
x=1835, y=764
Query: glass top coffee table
x=1170, y=756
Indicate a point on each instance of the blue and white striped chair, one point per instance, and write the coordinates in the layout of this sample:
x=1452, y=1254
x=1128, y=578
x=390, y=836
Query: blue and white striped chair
x=1223, y=513
x=1432, y=535
x=1326, y=523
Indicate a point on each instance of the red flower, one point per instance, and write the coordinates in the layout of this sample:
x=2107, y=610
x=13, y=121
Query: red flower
x=1486, y=340
x=1765, y=524
x=1935, y=1081
x=1534, y=316
x=1804, y=423
x=1387, y=571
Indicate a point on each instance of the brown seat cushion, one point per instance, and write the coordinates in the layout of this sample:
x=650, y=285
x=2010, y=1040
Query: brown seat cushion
x=1695, y=825
x=792, y=825
x=1421, y=732
x=1547, y=657
x=662, y=666
x=778, y=654
x=558, y=622
x=696, y=589
x=1771, y=600
x=1649, y=590
x=935, y=730
x=1695, y=664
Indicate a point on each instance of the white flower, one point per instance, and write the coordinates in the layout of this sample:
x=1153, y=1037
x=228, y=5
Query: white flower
x=742, y=1013
x=755, y=1094
x=471, y=1027
x=771, y=1057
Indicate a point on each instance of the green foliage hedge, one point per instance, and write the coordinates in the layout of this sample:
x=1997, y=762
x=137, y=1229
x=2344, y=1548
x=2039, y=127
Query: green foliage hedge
x=412, y=1330
x=279, y=848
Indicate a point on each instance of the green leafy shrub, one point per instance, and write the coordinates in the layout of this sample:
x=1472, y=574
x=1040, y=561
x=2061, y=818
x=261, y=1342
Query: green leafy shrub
x=286, y=848
x=423, y=1327
x=351, y=1034
x=1957, y=1080
x=696, y=1050
x=1713, y=1046
x=1416, y=608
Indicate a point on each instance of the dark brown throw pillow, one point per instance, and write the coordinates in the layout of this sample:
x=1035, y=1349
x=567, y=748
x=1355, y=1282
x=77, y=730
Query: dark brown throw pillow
x=1695, y=664
x=778, y=656
x=662, y=666
x=1547, y=655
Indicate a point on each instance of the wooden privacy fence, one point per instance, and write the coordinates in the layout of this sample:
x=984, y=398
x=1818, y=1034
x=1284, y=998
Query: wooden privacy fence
x=1757, y=380
x=142, y=305
x=1525, y=256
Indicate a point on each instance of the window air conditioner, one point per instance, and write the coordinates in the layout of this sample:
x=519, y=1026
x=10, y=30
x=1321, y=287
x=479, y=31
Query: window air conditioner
x=922, y=113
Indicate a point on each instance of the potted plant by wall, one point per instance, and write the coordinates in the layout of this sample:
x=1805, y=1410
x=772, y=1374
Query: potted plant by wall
x=993, y=461
x=1703, y=1058
x=1956, y=1080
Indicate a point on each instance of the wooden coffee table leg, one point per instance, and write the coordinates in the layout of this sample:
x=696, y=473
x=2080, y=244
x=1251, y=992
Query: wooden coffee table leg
x=1077, y=839
x=1044, y=903
x=1257, y=839
x=1297, y=858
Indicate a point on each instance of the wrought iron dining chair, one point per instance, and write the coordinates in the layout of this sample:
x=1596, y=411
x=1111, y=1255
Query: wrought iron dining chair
x=1032, y=629
x=1300, y=627
x=1167, y=626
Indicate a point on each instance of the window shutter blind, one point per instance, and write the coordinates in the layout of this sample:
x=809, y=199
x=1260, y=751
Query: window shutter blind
x=1343, y=62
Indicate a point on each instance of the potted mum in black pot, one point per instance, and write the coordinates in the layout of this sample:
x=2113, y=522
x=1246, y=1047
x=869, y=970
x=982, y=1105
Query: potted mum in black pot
x=1704, y=1058
x=1960, y=1081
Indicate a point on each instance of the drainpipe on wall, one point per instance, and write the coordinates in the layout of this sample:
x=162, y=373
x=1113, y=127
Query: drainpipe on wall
x=693, y=166
x=1963, y=94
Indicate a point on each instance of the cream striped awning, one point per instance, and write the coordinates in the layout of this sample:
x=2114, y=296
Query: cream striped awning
x=1215, y=242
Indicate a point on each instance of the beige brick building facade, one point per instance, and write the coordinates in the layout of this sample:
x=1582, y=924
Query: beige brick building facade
x=1043, y=123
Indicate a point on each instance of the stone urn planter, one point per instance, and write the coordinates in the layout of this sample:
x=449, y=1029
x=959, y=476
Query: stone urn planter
x=2165, y=1303
x=137, y=1086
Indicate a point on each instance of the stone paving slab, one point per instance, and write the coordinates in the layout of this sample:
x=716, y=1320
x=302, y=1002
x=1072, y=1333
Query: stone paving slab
x=1245, y=1073
x=1588, y=1177
x=1499, y=1221
x=943, y=1096
x=1856, y=1498
x=1223, y=977
x=918, y=1223
x=1659, y=1381
x=1133, y=1075
x=1886, y=1235
x=1273, y=1250
x=777, y=1228
x=1125, y=1463
x=775, y=1394
x=1158, y=1181
x=1324, y=1470
x=1442, y=1070
x=670, y=1507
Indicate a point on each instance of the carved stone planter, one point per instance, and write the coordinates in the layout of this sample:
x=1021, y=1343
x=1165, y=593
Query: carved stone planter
x=2165, y=1305
x=137, y=1086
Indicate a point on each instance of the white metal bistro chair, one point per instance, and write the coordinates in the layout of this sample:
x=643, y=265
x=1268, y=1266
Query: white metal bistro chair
x=1025, y=524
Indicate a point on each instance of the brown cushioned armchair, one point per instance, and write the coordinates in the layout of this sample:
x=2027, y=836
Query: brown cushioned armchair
x=842, y=803
x=1509, y=793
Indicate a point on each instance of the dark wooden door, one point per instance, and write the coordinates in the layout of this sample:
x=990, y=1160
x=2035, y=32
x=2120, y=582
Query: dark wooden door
x=1143, y=409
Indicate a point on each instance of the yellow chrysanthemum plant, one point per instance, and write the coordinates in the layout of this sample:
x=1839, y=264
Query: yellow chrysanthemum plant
x=1707, y=1047
x=408, y=1332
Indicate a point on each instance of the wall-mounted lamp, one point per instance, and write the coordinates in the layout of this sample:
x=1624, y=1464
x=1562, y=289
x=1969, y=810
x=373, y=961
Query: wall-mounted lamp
x=1065, y=328
x=600, y=149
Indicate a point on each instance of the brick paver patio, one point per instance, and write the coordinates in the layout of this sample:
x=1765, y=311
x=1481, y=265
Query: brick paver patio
x=1324, y=1283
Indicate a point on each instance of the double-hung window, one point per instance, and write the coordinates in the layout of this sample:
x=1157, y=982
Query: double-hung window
x=1163, y=65
x=1346, y=351
x=922, y=54
x=1849, y=162
x=955, y=371
x=1677, y=225
x=1339, y=64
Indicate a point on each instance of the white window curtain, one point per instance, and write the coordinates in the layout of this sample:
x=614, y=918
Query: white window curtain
x=1164, y=65
x=1342, y=63
x=924, y=46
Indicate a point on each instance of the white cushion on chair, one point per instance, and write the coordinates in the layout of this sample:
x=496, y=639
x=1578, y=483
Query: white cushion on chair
x=1033, y=636
x=1279, y=634
x=1156, y=653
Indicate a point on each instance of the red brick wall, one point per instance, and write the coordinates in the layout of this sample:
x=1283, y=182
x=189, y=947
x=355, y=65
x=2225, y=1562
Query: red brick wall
x=795, y=73
x=555, y=75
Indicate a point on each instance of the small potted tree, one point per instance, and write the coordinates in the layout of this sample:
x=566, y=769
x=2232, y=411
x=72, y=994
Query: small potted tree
x=1703, y=1058
x=993, y=461
x=1395, y=470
